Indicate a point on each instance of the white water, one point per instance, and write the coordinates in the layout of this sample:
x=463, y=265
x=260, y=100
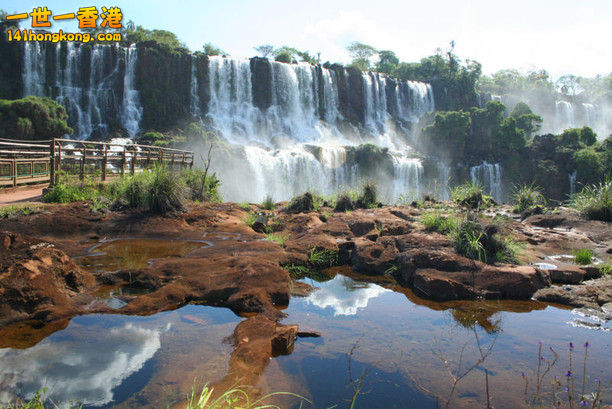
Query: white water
x=564, y=115
x=572, y=182
x=132, y=111
x=86, y=84
x=489, y=176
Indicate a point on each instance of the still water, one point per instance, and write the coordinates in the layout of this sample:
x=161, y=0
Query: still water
x=381, y=337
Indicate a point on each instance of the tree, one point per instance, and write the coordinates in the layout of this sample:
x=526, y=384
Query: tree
x=361, y=54
x=387, y=62
x=163, y=38
x=265, y=50
x=33, y=118
x=570, y=138
x=449, y=131
x=587, y=136
x=569, y=85
x=589, y=166
x=284, y=56
x=526, y=119
x=210, y=49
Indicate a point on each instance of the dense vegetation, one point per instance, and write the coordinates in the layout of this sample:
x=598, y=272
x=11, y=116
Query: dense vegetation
x=33, y=118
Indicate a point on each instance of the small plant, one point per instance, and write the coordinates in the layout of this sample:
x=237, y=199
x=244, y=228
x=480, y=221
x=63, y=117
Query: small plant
x=268, y=204
x=471, y=195
x=68, y=192
x=478, y=242
x=527, y=197
x=595, y=202
x=368, y=198
x=606, y=269
x=201, y=186
x=244, y=206
x=321, y=258
x=583, y=256
x=303, y=203
x=380, y=227
x=250, y=219
x=278, y=238
x=15, y=210
x=344, y=203
x=166, y=192
x=434, y=221
x=391, y=270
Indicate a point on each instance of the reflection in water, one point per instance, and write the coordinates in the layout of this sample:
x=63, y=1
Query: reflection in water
x=345, y=295
x=85, y=372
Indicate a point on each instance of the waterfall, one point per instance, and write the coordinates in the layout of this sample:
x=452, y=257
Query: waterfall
x=489, y=176
x=132, y=111
x=590, y=114
x=572, y=182
x=564, y=115
x=194, y=98
x=408, y=173
x=87, y=81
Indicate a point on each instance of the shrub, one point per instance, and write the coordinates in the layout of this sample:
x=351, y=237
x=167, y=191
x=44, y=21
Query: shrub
x=344, y=203
x=595, y=202
x=68, y=192
x=606, y=269
x=268, y=204
x=201, y=186
x=471, y=195
x=14, y=210
x=435, y=221
x=588, y=165
x=583, y=256
x=278, y=238
x=475, y=241
x=320, y=258
x=527, y=197
x=368, y=198
x=166, y=192
x=303, y=203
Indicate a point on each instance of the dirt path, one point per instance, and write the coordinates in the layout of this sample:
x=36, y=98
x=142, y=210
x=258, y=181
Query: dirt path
x=33, y=194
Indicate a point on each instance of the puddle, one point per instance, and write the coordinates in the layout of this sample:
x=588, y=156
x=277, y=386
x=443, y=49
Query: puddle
x=545, y=266
x=133, y=253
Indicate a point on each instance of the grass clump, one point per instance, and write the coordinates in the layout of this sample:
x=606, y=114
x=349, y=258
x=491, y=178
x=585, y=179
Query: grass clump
x=201, y=186
x=595, y=202
x=17, y=210
x=278, y=238
x=268, y=204
x=250, y=219
x=369, y=196
x=528, y=198
x=321, y=258
x=344, y=203
x=474, y=240
x=244, y=206
x=302, y=204
x=471, y=195
x=606, y=269
x=583, y=256
x=435, y=221
x=68, y=192
x=298, y=272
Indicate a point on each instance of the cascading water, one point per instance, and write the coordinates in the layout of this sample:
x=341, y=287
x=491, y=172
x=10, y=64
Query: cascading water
x=132, y=111
x=408, y=173
x=88, y=81
x=489, y=176
x=564, y=115
x=194, y=98
x=572, y=182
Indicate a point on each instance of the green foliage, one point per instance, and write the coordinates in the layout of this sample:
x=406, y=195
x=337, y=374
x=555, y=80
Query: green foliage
x=166, y=192
x=570, y=138
x=435, y=221
x=535, y=83
x=595, y=201
x=268, y=204
x=211, y=50
x=303, y=203
x=605, y=269
x=361, y=54
x=162, y=38
x=583, y=256
x=449, y=133
x=233, y=398
x=526, y=119
x=587, y=136
x=33, y=118
x=387, y=62
x=368, y=198
x=68, y=192
x=17, y=210
x=246, y=206
x=588, y=165
x=527, y=197
x=278, y=238
x=298, y=272
x=201, y=186
x=283, y=56
x=250, y=219
x=344, y=203
x=265, y=50
x=321, y=258
x=471, y=195
x=478, y=242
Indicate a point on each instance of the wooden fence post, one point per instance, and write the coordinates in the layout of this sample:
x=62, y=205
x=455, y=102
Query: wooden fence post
x=82, y=173
x=52, y=163
x=104, y=161
x=123, y=159
x=133, y=164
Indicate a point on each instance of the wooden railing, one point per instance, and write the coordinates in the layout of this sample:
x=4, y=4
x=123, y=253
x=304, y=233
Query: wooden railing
x=24, y=162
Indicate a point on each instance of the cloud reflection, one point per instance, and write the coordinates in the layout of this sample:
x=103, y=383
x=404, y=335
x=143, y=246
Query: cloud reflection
x=84, y=371
x=344, y=295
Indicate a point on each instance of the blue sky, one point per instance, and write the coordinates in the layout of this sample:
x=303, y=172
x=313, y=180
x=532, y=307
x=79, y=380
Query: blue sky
x=562, y=36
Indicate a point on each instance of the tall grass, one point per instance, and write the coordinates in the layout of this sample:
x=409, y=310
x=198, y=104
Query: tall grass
x=234, y=398
x=595, y=201
x=583, y=256
x=435, y=221
x=471, y=195
x=14, y=210
x=527, y=197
